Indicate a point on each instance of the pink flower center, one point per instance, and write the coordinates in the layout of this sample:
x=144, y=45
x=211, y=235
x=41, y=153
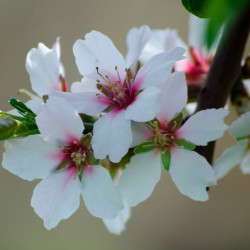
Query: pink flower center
x=75, y=155
x=162, y=136
x=118, y=93
x=197, y=67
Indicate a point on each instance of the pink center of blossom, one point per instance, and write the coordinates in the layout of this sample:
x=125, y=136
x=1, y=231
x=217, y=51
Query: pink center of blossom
x=162, y=136
x=118, y=93
x=197, y=67
x=75, y=155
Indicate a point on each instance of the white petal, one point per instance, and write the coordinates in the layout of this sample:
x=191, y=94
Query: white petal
x=160, y=41
x=191, y=174
x=140, y=133
x=117, y=225
x=42, y=65
x=241, y=127
x=83, y=102
x=245, y=165
x=136, y=40
x=230, y=158
x=57, y=197
x=138, y=180
x=58, y=122
x=102, y=198
x=30, y=158
x=97, y=50
x=112, y=136
x=191, y=107
x=56, y=46
x=86, y=85
x=146, y=105
x=173, y=96
x=196, y=31
x=158, y=69
x=204, y=126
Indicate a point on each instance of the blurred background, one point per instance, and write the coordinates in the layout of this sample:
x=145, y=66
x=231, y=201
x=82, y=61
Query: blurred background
x=167, y=220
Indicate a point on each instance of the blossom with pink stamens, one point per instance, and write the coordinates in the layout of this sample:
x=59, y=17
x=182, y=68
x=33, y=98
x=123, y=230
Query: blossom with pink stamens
x=121, y=88
x=63, y=158
x=164, y=142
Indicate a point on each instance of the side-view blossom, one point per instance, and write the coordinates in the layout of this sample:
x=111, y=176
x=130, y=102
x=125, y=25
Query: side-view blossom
x=164, y=142
x=239, y=153
x=110, y=85
x=197, y=64
x=46, y=74
x=63, y=158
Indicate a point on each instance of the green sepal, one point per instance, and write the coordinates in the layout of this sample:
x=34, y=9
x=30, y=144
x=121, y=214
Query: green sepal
x=182, y=143
x=114, y=167
x=196, y=7
x=91, y=159
x=243, y=138
x=86, y=140
x=166, y=159
x=81, y=174
x=144, y=147
x=175, y=123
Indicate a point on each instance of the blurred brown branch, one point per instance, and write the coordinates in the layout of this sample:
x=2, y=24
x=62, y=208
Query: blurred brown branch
x=225, y=70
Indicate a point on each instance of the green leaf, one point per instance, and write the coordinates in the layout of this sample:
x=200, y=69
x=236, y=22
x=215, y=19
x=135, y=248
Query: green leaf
x=166, y=159
x=182, y=143
x=11, y=128
x=22, y=108
x=7, y=127
x=220, y=11
x=144, y=147
x=196, y=7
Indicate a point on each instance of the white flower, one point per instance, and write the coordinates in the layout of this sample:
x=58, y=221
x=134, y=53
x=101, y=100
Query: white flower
x=197, y=64
x=63, y=158
x=109, y=83
x=167, y=143
x=238, y=153
x=46, y=74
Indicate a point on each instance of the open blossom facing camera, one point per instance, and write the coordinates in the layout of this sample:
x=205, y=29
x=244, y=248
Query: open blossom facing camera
x=62, y=156
x=165, y=143
x=114, y=85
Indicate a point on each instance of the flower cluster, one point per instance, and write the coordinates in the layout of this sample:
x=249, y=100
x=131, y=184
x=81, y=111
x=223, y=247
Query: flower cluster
x=110, y=136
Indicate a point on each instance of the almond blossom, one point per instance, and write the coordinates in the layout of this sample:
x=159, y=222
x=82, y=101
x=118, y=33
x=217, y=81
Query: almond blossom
x=165, y=143
x=121, y=88
x=63, y=158
x=197, y=64
x=46, y=74
x=239, y=153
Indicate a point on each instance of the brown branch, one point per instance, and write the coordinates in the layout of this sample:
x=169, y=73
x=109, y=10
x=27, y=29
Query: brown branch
x=225, y=70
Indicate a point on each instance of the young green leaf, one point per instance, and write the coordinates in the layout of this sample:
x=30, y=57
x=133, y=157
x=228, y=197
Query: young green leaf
x=7, y=127
x=196, y=7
